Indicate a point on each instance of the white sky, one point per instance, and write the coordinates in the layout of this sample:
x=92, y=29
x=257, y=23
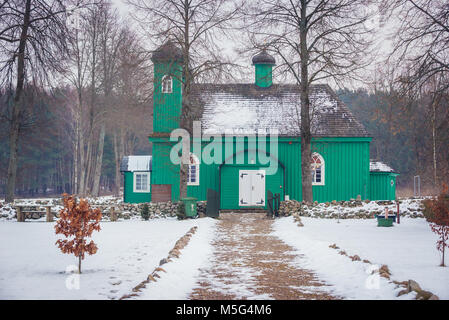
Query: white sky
x=383, y=43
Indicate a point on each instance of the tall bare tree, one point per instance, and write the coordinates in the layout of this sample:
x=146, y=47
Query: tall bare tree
x=112, y=37
x=32, y=46
x=421, y=42
x=133, y=100
x=195, y=26
x=421, y=46
x=316, y=40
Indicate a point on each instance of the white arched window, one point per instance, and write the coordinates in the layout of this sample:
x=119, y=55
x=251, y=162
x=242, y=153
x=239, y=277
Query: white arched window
x=193, y=176
x=167, y=84
x=317, y=167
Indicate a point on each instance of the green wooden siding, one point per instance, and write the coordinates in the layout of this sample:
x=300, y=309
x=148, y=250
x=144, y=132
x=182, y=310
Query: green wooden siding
x=346, y=170
x=129, y=195
x=163, y=171
x=167, y=106
x=381, y=187
x=264, y=75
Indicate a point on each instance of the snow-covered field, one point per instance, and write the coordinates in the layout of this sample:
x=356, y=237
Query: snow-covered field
x=408, y=249
x=32, y=267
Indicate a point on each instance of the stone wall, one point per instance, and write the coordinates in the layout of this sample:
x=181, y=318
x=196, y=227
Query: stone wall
x=156, y=209
x=353, y=209
x=124, y=211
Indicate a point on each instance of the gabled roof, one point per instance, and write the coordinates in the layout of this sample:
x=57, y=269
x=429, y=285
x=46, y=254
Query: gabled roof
x=378, y=166
x=135, y=163
x=248, y=109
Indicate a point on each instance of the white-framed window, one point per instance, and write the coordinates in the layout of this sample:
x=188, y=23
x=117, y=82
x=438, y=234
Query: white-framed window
x=317, y=167
x=167, y=84
x=141, y=182
x=193, y=176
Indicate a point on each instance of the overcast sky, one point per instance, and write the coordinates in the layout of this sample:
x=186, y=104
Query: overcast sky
x=380, y=50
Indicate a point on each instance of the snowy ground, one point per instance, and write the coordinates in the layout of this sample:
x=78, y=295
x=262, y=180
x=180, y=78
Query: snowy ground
x=32, y=267
x=408, y=249
x=181, y=274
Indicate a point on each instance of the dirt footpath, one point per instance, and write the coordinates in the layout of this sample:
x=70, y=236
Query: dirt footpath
x=249, y=263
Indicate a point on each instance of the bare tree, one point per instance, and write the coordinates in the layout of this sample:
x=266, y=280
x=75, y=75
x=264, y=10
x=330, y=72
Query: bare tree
x=133, y=99
x=195, y=26
x=112, y=37
x=32, y=46
x=421, y=46
x=421, y=42
x=316, y=40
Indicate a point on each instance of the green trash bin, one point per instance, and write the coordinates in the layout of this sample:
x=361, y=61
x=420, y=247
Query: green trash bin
x=382, y=222
x=190, y=206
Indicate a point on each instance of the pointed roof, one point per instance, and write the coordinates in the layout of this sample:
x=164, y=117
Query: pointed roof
x=167, y=52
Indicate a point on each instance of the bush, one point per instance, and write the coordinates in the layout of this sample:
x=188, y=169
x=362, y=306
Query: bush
x=436, y=213
x=145, y=212
x=181, y=213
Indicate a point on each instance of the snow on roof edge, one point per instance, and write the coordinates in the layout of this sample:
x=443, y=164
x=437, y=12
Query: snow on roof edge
x=136, y=163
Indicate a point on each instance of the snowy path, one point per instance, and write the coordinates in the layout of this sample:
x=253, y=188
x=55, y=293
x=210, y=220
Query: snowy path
x=249, y=263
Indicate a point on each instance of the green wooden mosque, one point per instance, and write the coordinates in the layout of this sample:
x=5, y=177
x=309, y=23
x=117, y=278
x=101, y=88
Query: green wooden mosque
x=249, y=142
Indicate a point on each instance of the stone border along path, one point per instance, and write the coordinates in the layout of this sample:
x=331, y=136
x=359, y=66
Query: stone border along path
x=249, y=263
x=174, y=253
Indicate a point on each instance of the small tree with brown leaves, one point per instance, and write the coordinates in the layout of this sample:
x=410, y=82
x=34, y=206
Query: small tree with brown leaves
x=437, y=214
x=77, y=220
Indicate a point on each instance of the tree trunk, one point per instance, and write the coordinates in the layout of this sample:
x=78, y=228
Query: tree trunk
x=13, y=147
x=79, y=264
x=434, y=147
x=183, y=175
x=76, y=159
x=88, y=165
x=442, y=262
x=99, y=162
x=306, y=136
x=118, y=157
x=15, y=121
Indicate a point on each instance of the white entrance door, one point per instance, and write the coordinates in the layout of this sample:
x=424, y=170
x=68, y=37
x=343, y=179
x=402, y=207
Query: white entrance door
x=251, y=187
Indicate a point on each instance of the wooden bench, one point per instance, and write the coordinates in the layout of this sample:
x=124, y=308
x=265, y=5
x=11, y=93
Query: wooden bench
x=21, y=212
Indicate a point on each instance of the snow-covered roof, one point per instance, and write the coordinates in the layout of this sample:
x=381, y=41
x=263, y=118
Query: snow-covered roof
x=378, y=166
x=135, y=163
x=248, y=109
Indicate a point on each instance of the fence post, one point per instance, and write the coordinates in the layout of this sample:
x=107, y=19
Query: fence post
x=19, y=213
x=113, y=214
x=49, y=214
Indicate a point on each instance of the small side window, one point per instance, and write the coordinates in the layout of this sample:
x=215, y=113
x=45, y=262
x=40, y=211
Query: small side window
x=167, y=84
x=141, y=182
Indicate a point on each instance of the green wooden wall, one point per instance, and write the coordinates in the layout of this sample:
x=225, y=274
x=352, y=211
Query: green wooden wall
x=133, y=197
x=167, y=106
x=264, y=75
x=381, y=187
x=346, y=170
